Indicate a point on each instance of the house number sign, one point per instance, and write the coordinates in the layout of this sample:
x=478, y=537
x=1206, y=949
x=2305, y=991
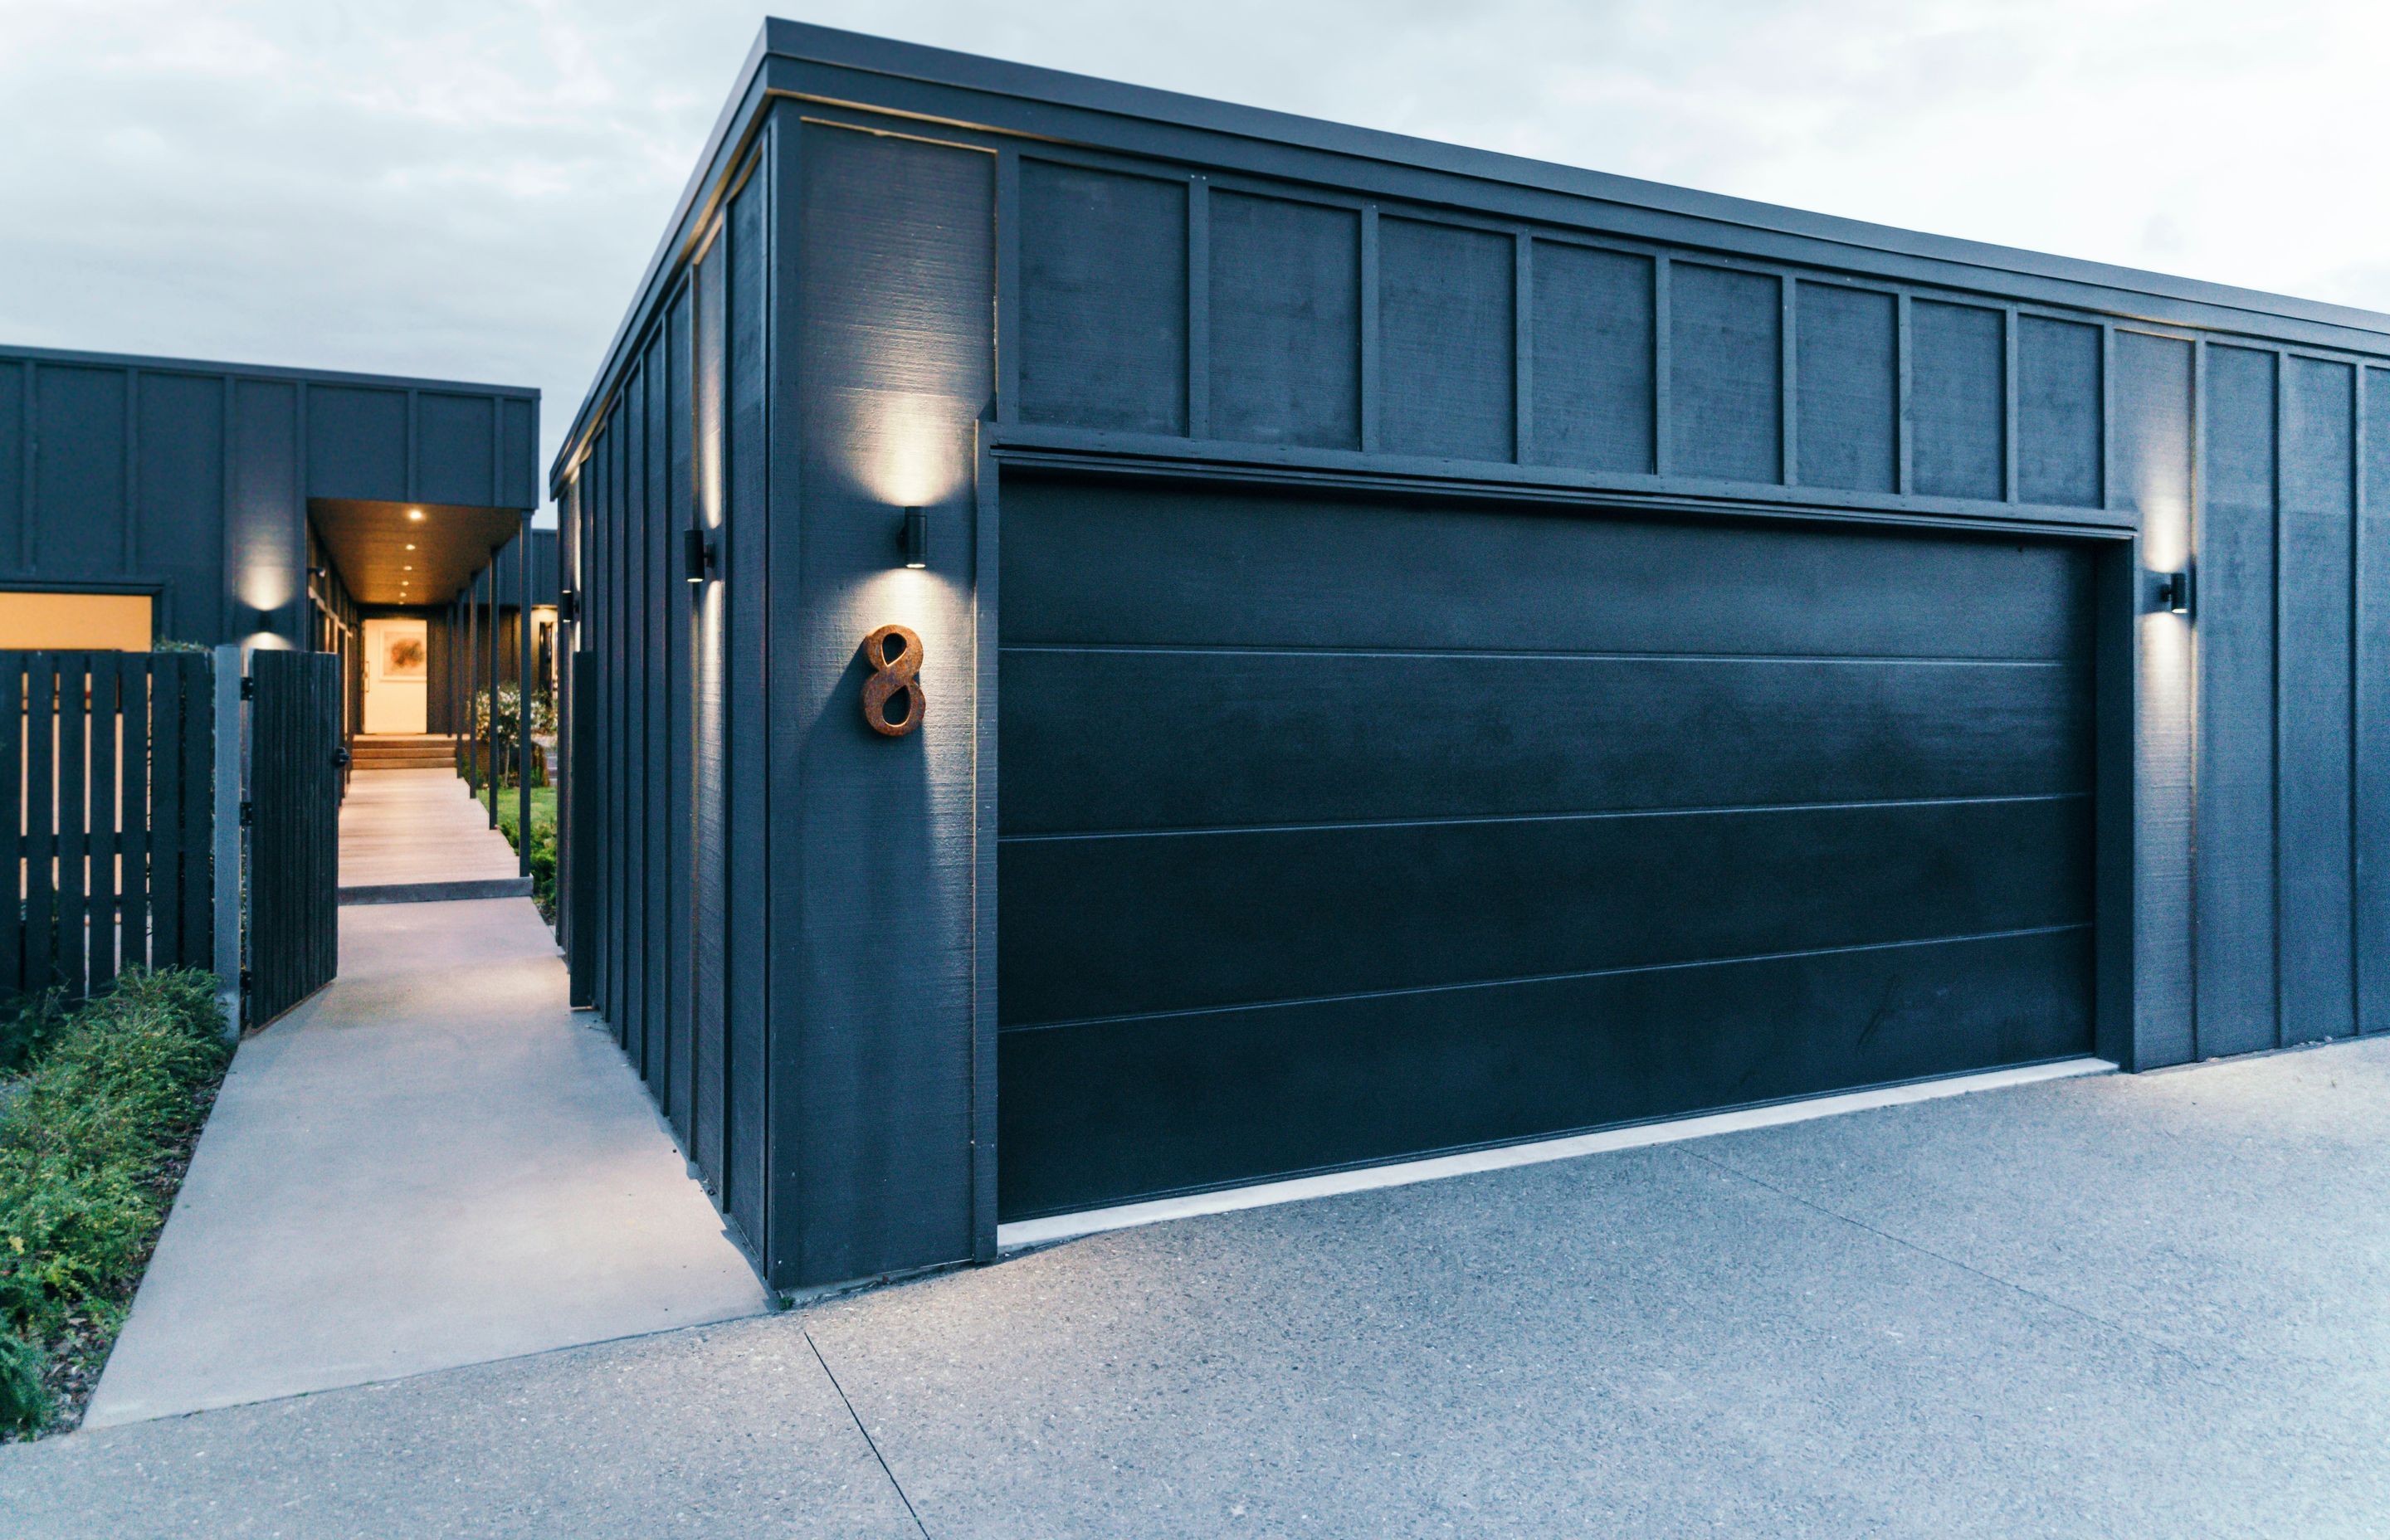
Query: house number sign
x=893, y=675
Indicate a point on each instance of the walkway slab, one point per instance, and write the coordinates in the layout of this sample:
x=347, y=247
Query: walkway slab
x=433, y=1163
x=404, y=826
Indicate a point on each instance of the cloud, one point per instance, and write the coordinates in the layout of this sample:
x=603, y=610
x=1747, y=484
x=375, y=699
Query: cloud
x=470, y=188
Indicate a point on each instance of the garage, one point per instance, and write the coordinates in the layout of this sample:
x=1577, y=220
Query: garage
x=1337, y=830
x=1415, y=660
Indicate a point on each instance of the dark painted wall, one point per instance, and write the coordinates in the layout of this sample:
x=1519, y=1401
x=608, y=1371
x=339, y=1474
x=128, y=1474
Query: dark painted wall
x=190, y=479
x=1149, y=283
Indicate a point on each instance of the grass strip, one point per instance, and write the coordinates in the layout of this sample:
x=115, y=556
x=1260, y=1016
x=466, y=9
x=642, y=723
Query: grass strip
x=543, y=843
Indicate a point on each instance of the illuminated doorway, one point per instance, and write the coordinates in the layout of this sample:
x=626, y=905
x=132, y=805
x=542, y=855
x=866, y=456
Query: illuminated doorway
x=398, y=675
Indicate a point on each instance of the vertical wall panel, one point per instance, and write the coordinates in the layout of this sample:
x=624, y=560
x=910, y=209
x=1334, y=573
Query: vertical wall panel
x=357, y=442
x=872, y=1068
x=622, y=826
x=179, y=504
x=457, y=443
x=519, y=468
x=1447, y=327
x=265, y=544
x=2314, y=698
x=2059, y=394
x=2372, y=735
x=16, y=450
x=2235, y=632
x=1845, y=344
x=1286, y=322
x=641, y=965
x=712, y=1061
x=679, y=1091
x=1592, y=344
x=1103, y=299
x=1957, y=376
x=665, y=938
x=1726, y=368
x=737, y=707
x=2153, y=474
x=79, y=487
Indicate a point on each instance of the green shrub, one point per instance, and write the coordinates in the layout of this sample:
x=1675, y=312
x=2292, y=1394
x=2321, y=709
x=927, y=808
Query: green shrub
x=24, y=1403
x=113, y=1093
x=26, y=1024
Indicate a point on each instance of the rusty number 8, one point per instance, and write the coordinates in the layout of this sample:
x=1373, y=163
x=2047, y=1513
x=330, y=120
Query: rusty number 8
x=893, y=676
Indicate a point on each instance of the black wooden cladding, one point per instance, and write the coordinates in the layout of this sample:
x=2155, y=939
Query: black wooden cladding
x=109, y=816
x=1590, y=766
x=191, y=481
x=1074, y=280
x=294, y=840
x=666, y=911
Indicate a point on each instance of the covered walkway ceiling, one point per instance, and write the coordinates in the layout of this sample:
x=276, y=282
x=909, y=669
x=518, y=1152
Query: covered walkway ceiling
x=409, y=553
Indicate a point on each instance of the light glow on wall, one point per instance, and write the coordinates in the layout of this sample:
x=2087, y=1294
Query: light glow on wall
x=906, y=451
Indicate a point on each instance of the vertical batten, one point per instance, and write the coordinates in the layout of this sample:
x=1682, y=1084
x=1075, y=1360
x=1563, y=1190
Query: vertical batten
x=1198, y=307
x=1371, y=395
x=1788, y=383
x=1905, y=355
x=1522, y=345
x=1008, y=285
x=1664, y=453
x=2370, y=740
x=2009, y=492
x=129, y=532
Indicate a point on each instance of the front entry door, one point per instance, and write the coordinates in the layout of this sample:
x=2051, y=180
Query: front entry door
x=397, y=676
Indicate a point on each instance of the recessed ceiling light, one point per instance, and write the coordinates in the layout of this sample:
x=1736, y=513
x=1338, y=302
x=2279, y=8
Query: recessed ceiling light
x=410, y=546
x=414, y=513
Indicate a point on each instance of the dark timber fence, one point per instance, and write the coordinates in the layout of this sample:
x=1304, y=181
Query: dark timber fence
x=294, y=773
x=107, y=815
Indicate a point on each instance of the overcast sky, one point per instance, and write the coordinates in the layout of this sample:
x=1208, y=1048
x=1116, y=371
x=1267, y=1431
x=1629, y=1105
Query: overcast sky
x=470, y=188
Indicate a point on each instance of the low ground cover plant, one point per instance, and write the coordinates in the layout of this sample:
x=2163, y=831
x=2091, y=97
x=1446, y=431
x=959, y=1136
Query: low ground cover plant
x=543, y=844
x=99, y=1106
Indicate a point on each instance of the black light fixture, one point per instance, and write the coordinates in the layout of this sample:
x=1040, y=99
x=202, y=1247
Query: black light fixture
x=568, y=605
x=917, y=537
x=2175, y=592
x=697, y=555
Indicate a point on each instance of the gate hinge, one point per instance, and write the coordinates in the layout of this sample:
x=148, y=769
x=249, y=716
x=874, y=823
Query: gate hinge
x=248, y=815
x=249, y=687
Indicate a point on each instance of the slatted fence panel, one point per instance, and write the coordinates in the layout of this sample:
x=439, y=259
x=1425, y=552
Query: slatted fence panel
x=294, y=829
x=107, y=823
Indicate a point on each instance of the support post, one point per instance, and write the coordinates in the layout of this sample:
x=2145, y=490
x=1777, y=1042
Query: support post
x=522, y=701
x=469, y=737
x=490, y=757
x=231, y=778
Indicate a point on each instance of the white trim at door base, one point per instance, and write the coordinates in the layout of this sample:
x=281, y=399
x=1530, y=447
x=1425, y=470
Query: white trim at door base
x=1064, y=1226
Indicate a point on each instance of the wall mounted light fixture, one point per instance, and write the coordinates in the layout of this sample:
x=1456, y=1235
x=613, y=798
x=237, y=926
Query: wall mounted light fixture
x=568, y=605
x=2175, y=592
x=696, y=553
x=917, y=537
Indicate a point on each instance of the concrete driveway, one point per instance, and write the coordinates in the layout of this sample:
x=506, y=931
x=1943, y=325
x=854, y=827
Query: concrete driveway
x=2112, y=1306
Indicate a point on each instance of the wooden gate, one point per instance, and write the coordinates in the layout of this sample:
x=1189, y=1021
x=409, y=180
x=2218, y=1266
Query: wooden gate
x=294, y=837
x=106, y=819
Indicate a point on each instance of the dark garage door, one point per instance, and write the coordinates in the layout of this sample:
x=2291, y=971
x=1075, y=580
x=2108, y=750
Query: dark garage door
x=1339, y=830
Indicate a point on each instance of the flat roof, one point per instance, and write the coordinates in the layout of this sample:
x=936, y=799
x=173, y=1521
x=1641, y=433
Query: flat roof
x=261, y=371
x=1044, y=88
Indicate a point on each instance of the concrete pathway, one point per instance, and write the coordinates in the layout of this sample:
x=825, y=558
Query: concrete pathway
x=433, y=1163
x=2121, y=1306
x=403, y=828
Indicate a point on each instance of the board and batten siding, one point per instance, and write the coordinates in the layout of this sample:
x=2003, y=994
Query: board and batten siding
x=189, y=480
x=961, y=267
